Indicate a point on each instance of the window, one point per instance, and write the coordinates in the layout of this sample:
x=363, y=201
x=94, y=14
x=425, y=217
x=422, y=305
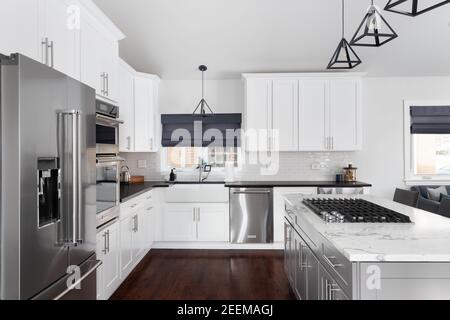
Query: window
x=431, y=154
x=188, y=158
x=427, y=142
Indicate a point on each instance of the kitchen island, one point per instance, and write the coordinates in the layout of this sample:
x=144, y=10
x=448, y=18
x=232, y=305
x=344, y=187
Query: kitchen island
x=367, y=260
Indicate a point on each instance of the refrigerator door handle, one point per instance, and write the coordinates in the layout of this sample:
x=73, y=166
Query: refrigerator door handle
x=79, y=281
x=74, y=238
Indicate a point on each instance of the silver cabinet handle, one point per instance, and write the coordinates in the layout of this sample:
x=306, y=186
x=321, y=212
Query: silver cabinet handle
x=44, y=44
x=107, y=83
x=329, y=261
x=198, y=214
x=105, y=243
x=149, y=208
x=52, y=51
x=332, y=143
x=129, y=143
x=109, y=239
x=103, y=83
x=195, y=213
x=151, y=143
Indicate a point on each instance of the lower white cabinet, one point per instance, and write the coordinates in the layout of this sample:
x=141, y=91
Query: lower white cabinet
x=195, y=222
x=108, y=251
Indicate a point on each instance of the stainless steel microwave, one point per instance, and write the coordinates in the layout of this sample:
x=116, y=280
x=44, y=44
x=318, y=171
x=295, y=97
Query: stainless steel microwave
x=107, y=128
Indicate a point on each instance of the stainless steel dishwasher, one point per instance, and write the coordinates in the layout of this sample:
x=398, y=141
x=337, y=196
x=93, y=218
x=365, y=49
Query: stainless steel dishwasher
x=251, y=215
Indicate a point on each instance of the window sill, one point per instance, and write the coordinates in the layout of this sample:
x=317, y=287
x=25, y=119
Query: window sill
x=427, y=182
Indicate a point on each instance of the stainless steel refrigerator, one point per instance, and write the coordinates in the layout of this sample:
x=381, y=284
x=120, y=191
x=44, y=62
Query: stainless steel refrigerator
x=48, y=192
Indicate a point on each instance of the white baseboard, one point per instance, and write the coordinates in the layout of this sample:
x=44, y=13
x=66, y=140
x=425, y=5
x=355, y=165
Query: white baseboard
x=216, y=246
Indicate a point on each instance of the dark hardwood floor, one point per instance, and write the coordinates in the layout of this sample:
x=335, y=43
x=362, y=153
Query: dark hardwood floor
x=207, y=275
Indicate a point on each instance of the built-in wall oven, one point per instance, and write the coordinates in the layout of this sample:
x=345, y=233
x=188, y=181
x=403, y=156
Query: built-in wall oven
x=108, y=163
x=107, y=129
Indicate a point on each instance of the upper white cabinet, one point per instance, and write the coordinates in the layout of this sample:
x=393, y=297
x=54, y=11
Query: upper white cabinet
x=19, y=22
x=99, y=56
x=126, y=103
x=138, y=100
x=303, y=112
x=313, y=115
x=60, y=36
x=146, y=113
x=345, y=115
x=285, y=115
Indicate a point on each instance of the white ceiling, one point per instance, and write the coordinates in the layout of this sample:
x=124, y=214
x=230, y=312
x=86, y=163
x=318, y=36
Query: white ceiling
x=172, y=37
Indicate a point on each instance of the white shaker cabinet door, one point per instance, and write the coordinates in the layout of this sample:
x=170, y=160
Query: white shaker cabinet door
x=258, y=114
x=62, y=30
x=179, y=223
x=19, y=22
x=213, y=223
x=144, y=114
x=126, y=103
x=345, y=115
x=285, y=115
x=313, y=115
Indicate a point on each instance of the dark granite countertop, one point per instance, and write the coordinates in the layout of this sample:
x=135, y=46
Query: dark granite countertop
x=319, y=184
x=129, y=191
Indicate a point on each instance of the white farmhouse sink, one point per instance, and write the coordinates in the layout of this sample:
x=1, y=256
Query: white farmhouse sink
x=197, y=193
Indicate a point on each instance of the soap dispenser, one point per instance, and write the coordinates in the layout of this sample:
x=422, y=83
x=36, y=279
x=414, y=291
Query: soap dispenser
x=173, y=176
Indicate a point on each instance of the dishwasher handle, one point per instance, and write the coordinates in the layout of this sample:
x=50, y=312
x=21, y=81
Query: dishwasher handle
x=252, y=192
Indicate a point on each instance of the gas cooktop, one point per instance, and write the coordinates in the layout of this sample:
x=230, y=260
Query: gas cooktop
x=353, y=211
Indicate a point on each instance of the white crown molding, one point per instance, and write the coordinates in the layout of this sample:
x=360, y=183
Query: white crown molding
x=304, y=75
x=95, y=11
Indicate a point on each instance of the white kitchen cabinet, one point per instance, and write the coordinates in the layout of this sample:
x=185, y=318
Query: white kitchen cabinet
x=303, y=112
x=99, y=57
x=60, y=36
x=258, y=114
x=126, y=103
x=313, y=115
x=136, y=231
x=145, y=113
x=190, y=222
x=108, y=251
x=285, y=116
x=279, y=207
x=213, y=223
x=179, y=223
x=19, y=22
x=345, y=115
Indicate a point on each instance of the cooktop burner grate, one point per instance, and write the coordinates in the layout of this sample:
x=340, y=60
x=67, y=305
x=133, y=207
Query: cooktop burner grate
x=353, y=211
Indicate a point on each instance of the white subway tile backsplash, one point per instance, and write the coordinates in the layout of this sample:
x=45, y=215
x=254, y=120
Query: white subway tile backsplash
x=292, y=166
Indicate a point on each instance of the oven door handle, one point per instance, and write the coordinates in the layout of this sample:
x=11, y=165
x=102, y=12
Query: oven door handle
x=107, y=121
x=110, y=160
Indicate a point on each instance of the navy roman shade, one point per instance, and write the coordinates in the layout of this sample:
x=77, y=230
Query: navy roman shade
x=430, y=120
x=196, y=130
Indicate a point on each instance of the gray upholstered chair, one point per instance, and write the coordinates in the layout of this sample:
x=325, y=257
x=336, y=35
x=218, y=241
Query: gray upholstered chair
x=406, y=197
x=444, y=208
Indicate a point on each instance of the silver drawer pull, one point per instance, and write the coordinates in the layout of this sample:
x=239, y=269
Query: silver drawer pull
x=328, y=260
x=134, y=205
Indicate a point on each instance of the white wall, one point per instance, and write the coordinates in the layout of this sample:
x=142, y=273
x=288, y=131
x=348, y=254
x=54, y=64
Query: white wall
x=381, y=160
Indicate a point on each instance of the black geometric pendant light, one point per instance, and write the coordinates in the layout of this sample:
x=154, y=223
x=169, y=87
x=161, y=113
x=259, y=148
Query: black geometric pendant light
x=202, y=104
x=344, y=57
x=413, y=8
x=374, y=31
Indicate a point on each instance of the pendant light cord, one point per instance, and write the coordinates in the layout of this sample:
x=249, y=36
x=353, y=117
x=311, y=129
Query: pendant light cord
x=343, y=19
x=203, y=84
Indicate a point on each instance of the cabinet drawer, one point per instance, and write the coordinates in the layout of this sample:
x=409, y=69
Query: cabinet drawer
x=136, y=203
x=337, y=264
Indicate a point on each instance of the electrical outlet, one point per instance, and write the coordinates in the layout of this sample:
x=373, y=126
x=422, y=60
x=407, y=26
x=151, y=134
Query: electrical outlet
x=315, y=166
x=142, y=164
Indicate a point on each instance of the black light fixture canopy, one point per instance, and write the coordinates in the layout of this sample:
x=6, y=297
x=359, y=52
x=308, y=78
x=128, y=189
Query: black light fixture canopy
x=374, y=30
x=203, y=104
x=413, y=8
x=344, y=56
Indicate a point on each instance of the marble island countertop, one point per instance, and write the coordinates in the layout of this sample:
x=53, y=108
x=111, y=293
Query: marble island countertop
x=427, y=239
